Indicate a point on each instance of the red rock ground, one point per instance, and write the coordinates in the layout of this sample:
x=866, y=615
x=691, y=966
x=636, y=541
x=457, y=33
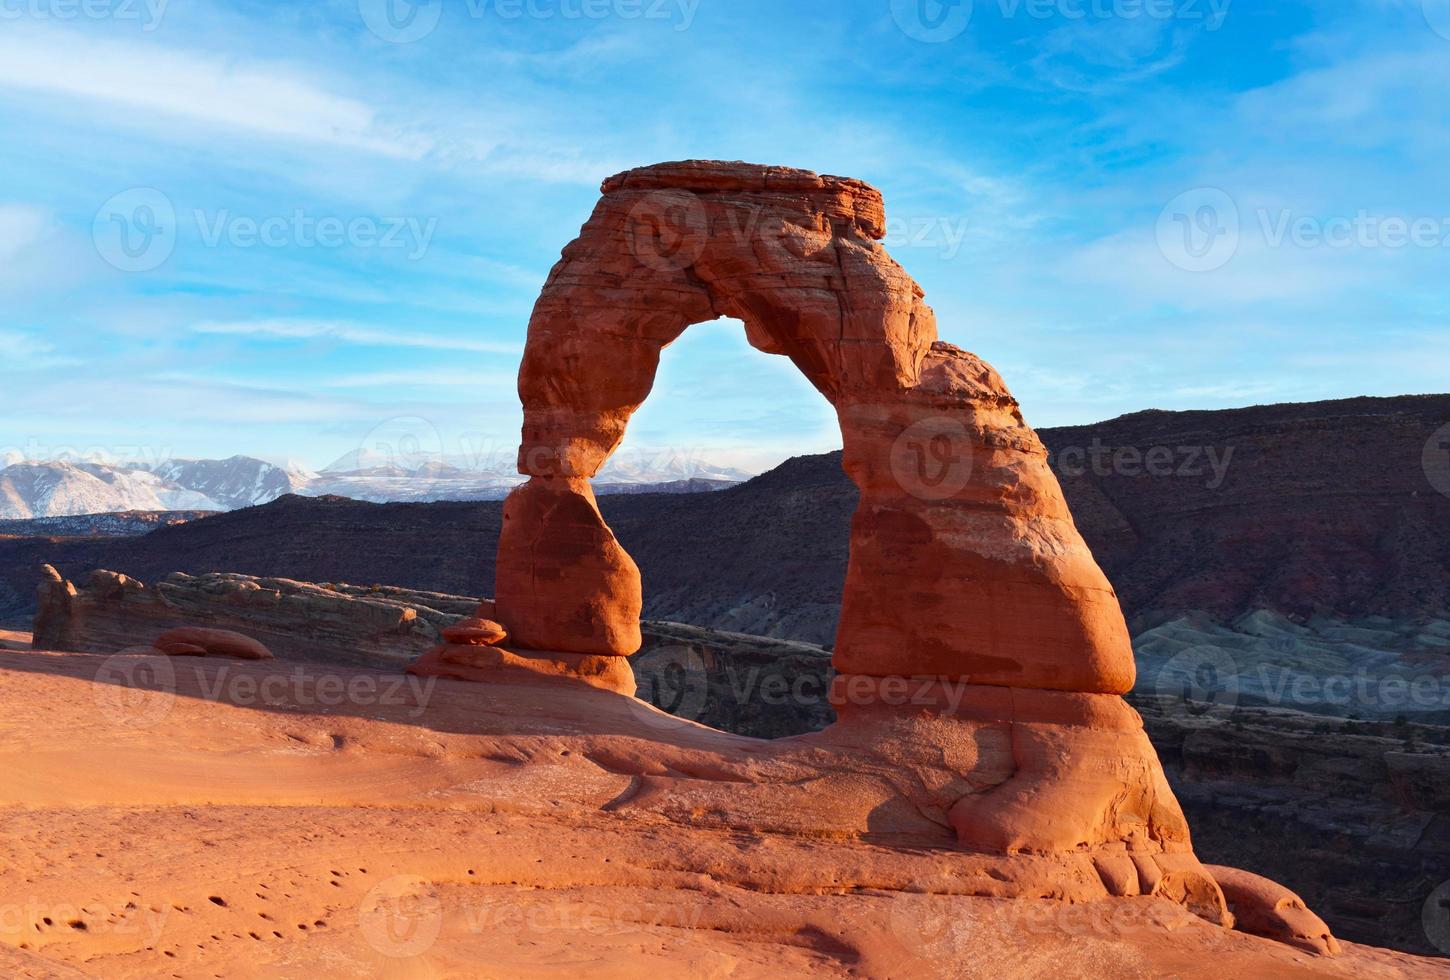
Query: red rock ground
x=249, y=826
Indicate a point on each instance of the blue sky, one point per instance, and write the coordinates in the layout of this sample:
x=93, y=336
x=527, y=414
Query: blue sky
x=1122, y=204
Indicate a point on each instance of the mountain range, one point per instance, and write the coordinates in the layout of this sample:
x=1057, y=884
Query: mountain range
x=1323, y=509
x=63, y=488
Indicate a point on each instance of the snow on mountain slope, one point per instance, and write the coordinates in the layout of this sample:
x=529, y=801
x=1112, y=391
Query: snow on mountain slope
x=59, y=488
x=63, y=488
x=239, y=481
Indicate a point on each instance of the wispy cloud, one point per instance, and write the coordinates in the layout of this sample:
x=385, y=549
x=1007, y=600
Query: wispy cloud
x=423, y=378
x=205, y=88
x=21, y=226
x=26, y=352
x=351, y=333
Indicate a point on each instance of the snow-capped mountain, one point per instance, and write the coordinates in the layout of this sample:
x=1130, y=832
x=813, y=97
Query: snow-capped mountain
x=63, y=488
x=240, y=481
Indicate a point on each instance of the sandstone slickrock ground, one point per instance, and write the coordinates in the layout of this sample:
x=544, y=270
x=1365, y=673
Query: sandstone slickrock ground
x=1350, y=814
x=472, y=830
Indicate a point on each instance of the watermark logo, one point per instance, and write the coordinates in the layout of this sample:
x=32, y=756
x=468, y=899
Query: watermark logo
x=302, y=230
x=932, y=930
x=1200, y=680
x=1437, y=15
x=148, y=13
x=1207, y=463
x=401, y=21
x=1436, y=459
x=945, y=235
x=668, y=230
x=1435, y=917
x=932, y=21
x=405, y=21
x=406, y=442
x=401, y=916
x=1198, y=231
x=135, y=231
x=678, y=683
x=95, y=919
x=135, y=691
x=932, y=458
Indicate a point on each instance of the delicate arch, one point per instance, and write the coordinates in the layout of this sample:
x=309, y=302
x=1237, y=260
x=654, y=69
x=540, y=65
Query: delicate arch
x=964, y=560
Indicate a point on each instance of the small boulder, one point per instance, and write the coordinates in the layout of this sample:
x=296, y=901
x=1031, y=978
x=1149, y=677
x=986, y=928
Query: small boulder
x=186, y=641
x=476, y=633
x=1266, y=908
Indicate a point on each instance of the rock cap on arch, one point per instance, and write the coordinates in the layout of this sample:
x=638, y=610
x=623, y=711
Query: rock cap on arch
x=841, y=198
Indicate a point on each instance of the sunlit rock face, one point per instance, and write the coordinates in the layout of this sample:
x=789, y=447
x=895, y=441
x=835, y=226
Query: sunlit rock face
x=964, y=559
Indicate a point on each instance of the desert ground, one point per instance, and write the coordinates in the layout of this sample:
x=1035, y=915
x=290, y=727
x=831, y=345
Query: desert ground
x=214, y=818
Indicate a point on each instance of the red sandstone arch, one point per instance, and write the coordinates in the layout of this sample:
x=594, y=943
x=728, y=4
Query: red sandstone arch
x=964, y=561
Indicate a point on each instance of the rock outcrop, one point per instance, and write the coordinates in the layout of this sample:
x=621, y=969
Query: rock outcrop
x=1265, y=908
x=1347, y=813
x=446, y=829
x=1337, y=486
x=964, y=559
x=199, y=641
x=330, y=623
x=979, y=641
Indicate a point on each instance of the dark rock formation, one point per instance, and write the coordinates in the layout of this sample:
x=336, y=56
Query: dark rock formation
x=1335, y=488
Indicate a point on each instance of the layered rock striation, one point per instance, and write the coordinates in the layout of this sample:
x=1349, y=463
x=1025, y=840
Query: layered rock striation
x=979, y=641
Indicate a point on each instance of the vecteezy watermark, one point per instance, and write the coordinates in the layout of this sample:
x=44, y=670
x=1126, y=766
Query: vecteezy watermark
x=1198, y=231
x=1437, y=15
x=1370, y=692
x=668, y=230
x=937, y=932
x=938, y=21
x=1435, y=917
x=406, y=442
x=1200, y=680
x=1436, y=459
x=677, y=683
x=33, y=916
x=140, y=688
x=932, y=21
x=1179, y=462
x=945, y=235
x=302, y=230
x=135, y=691
x=147, y=13
x=1361, y=230
x=405, y=21
x=119, y=455
x=1202, y=230
x=137, y=230
x=401, y=916
x=932, y=458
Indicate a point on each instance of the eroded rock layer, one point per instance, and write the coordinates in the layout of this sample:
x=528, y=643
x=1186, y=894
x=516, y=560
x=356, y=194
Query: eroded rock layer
x=964, y=562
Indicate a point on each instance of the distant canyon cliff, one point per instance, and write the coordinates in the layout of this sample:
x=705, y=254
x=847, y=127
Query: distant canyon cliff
x=1331, y=509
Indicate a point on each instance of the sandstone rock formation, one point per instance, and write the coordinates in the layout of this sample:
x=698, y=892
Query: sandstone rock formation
x=1265, y=908
x=376, y=625
x=175, y=822
x=1345, y=812
x=965, y=568
x=964, y=561
x=196, y=641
